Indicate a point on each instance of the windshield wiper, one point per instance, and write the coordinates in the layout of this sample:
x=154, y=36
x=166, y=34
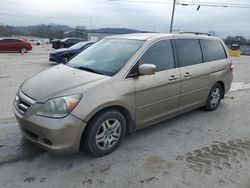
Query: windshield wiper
x=89, y=70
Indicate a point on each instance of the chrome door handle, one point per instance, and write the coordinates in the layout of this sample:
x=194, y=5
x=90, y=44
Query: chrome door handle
x=173, y=77
x=187, y=74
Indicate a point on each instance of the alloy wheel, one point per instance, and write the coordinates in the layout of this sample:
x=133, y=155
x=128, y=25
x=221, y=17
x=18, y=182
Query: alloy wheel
x=108, y=134
x=215, y=97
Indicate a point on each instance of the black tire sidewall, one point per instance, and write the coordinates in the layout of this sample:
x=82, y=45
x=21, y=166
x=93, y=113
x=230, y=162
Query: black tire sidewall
x=25, y=50
x=208, y=106
x=64, y=60
x=94, y=124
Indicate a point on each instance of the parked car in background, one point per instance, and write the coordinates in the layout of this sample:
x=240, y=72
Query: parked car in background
x=45, y=41
x=51, y=40
x=16, y=45
x=65, y=43
x=64, y=54
x=34, y=41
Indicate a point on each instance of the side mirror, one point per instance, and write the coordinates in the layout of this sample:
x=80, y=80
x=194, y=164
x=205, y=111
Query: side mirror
x=147, y=69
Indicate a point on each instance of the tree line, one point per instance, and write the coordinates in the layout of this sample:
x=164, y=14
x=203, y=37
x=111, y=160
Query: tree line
x=240, y=39
x=57, y=31
x=43, y=31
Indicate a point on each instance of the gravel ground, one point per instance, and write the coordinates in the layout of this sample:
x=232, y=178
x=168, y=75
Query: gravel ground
x=15, y=68
x=197, y=149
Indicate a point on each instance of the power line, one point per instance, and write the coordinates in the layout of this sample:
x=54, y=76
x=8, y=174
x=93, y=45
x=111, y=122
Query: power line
x=213, y=4
x=189, y=3
x=143, y=1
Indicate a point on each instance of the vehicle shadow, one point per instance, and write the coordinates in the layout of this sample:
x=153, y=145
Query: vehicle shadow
x=142, y=136
x=19, y=150
x=140, y=141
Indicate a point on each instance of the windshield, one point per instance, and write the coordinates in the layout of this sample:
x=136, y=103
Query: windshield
x=107, y=56
x=78, y=45
x=64, y=40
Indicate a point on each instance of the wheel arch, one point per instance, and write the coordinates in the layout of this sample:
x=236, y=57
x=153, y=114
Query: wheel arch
x=222, y=86
x=21, y=47
x=130, y=124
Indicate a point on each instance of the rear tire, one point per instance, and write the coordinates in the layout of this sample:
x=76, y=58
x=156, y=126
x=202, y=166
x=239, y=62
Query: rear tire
x=214, y=98
x=104, y=133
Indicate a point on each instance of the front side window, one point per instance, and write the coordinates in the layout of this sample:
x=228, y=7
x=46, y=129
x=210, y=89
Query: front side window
x=107, y=56
x=160, y=54
x=212, y=50
x=189, y=51
x=14, y=40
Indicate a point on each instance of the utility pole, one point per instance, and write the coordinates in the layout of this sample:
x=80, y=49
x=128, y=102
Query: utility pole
x=172, y=18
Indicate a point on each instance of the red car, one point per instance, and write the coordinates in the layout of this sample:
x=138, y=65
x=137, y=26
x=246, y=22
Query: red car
x=16, y=45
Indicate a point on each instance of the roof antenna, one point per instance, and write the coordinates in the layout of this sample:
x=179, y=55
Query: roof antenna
x=198, y=7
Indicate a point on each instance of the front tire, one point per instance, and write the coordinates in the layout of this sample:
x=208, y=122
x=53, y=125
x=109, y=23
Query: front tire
x=104, y=133
x=64, y=60
x=214, y=98
x=23, y=50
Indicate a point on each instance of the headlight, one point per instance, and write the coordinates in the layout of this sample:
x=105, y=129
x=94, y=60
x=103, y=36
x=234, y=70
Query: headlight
x=59, y=107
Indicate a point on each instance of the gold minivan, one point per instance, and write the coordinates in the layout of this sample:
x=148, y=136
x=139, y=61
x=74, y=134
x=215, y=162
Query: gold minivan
x=119, y=85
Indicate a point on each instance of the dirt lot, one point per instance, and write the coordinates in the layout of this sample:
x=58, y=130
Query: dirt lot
x=197, y=149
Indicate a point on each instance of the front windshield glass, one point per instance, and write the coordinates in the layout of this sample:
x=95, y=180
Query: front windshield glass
x=107, y=56
x=64, y=40
x=78, y=45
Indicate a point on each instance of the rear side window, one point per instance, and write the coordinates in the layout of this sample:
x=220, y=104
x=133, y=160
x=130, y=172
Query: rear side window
x=73, y=40
x=10, y=40
x=212, y=50
x=5, y=41
x=69, y=40
x=15, y=40
x=189, y=51
x=160, y=54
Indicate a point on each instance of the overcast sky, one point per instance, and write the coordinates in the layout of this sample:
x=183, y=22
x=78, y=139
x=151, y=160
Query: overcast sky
x=144, y=16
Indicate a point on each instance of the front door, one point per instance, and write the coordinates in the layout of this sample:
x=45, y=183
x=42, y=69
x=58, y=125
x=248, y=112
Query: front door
x=157, y=95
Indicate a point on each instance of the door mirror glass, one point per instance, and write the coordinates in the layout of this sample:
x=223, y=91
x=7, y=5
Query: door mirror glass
x=147, y=69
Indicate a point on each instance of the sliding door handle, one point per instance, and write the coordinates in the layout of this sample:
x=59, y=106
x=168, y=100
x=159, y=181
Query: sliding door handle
x=187, y=74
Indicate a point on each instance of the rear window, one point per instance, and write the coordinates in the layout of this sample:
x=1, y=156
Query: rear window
x=189, y=51
x=212, y=50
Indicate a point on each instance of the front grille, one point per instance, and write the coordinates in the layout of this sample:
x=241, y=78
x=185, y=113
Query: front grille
x=52, y=57
x=52, y=54
x=22, y=106
x=23, y=102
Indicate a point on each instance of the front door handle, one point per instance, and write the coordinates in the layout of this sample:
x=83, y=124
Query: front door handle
x=173, y=77
x=187, y=74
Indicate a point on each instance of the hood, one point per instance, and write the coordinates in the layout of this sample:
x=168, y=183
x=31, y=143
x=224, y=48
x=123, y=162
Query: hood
x=57, y=80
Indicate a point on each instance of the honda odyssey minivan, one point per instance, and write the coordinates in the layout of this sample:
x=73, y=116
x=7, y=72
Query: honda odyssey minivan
x=121, y=84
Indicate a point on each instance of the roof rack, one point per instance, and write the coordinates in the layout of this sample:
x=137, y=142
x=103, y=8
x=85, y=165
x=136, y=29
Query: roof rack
x=195, y=33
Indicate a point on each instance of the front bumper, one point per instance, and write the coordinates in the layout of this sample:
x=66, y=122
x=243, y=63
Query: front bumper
x=54, y=58
x=60, y=136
